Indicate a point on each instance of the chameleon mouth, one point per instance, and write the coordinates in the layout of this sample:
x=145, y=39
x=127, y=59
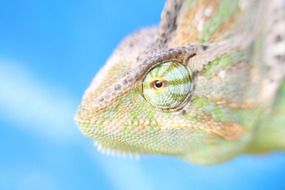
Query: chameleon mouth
x=116, y=152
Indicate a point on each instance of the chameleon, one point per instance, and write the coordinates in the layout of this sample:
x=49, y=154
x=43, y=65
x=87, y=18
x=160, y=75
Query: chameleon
x=205, y=85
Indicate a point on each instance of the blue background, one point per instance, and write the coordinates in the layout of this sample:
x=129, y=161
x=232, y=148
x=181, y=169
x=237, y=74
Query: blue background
x=49, y=52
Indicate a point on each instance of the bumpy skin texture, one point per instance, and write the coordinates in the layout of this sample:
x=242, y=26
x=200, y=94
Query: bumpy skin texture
x=205, y=85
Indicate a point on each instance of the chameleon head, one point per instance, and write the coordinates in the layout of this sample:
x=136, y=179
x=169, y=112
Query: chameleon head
x=154, y=105
x=130, y=108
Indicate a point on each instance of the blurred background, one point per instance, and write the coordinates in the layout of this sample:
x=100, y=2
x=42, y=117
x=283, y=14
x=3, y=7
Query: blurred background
x=49, y=52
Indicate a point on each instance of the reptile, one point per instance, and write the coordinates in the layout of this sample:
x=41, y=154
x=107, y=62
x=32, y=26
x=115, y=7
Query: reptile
x=205, y=85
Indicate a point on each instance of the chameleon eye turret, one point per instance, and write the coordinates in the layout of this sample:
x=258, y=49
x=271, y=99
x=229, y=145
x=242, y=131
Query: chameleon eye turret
x=167, y=85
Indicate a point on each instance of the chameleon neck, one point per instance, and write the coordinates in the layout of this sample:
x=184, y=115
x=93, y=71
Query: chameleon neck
x=270, y=135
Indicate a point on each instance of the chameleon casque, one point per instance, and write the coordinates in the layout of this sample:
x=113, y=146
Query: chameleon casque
x=206, y=85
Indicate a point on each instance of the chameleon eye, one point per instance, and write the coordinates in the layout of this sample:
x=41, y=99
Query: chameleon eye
x=167, y=85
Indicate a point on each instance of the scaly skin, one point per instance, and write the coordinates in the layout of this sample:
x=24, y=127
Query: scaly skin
x=205, y=85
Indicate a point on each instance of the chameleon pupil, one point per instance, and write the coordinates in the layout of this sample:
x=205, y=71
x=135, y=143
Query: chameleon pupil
x=158, y=84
